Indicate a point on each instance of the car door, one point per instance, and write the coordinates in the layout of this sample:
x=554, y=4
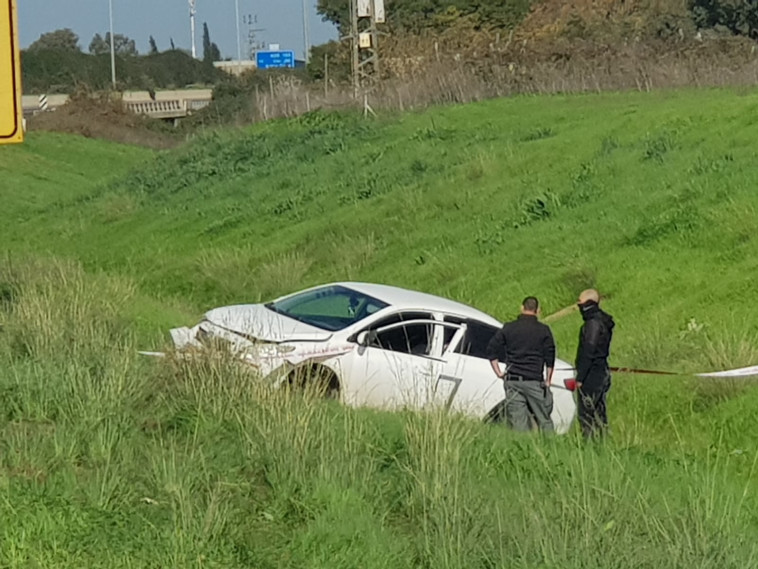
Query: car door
x=466, y=371
x=398, y=362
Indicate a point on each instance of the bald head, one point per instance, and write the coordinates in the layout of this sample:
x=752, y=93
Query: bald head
x=589, y=295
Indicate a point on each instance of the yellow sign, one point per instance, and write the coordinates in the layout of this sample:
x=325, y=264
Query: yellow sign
x=11, y=111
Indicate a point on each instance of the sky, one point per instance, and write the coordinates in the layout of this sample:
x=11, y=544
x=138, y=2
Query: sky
x=282, y=21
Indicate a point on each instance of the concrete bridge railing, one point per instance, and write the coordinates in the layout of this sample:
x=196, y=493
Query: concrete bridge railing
x=165, y=104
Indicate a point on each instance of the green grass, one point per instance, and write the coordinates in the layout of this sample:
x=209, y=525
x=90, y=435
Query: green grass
x=109, y=460
x=647, y=196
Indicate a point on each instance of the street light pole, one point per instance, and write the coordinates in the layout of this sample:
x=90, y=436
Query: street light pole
x=306, y=33
x=113, y=49
x=193, y=11
x=239, y=45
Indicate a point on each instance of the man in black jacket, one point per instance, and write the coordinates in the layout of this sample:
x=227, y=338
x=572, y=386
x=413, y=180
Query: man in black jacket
x=593, y=376
x=527, y=348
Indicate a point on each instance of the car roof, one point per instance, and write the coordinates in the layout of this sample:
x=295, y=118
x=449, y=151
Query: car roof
x=414, y=300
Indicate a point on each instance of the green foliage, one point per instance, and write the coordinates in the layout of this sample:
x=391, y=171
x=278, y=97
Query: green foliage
x=122, y=45
x=235, y=99
x=112, y=460
x=58, y=71
x=419, y=15
x=738, y=16
x=658, y=145
x=211, y=52
x=447, y=193
x=108, y=459
x=59, y=40
x=332, y=59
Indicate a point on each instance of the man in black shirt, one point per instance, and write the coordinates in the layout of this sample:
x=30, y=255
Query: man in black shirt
x=593, y=376
x=527, y=348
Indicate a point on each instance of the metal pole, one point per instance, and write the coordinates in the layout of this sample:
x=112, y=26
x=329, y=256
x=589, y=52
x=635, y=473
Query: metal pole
x=113, y=48
x=326, y=74
x=356, y=47
x=306, y=33
x=239, y=46
x=375, y=41
x=193, y=11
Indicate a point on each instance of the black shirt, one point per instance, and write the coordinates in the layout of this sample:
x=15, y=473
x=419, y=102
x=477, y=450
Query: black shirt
x=525, y=345
x=594, y=345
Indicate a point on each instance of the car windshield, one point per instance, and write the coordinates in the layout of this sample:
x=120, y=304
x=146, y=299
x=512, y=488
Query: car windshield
x=329, y=308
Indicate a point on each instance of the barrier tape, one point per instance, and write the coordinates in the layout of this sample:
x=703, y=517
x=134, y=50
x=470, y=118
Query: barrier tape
x=749, y=371
x=738, y=372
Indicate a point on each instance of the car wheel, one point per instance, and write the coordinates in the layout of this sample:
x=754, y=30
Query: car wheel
x=315, y=379
x=497, y=414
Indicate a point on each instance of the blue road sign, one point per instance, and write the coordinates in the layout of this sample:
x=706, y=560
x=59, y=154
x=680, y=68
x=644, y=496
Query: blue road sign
x=272, y=59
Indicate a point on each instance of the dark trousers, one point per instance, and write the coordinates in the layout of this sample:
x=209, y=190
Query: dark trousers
x=592, y=406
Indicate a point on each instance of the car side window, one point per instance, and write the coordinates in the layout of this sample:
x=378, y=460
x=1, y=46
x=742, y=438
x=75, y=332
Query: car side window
x=474, y=342
x=415, y=338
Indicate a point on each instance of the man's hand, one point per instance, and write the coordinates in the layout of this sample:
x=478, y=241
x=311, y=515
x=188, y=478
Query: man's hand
x=496, y=368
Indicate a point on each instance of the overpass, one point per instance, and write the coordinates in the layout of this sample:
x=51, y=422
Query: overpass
x=166, y=105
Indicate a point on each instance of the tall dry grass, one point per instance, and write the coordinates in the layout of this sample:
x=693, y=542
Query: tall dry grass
x=420, y=72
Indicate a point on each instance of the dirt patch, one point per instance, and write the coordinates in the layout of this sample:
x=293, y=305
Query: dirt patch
x=103, y=118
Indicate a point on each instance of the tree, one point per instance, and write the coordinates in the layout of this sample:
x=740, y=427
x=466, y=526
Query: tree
x=211, y=51
x=336, y=12
x=207, y=56
x=334, y=54
x=739, y=16
x=215, y=52
x=153, y=46
x=122, y=45
x=98, y=45
x=59, y=40
x=417, y=15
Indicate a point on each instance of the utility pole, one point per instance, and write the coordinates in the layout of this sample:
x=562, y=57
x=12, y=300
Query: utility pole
x=113, y=46
x=355, y=47
x=252, y=44
x=193, y=11
x=364, y=17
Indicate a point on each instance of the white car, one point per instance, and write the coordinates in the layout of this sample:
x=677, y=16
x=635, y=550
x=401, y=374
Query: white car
x=374, y=345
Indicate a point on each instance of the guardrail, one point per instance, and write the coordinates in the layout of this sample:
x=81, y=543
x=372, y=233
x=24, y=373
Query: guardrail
x=169, y=109
x=166, y=105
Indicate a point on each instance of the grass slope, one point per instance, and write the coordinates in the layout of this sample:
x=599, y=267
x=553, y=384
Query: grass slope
x=108, y=460
x=648, y=196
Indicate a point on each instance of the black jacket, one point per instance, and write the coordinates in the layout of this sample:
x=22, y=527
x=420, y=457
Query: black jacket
x=525, y=345
x=594, y=346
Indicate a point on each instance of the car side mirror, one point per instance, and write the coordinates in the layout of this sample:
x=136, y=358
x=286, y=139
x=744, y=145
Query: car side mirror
x=365, y=338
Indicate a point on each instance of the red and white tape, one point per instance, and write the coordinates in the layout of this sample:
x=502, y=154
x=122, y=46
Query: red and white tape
x=749, y=371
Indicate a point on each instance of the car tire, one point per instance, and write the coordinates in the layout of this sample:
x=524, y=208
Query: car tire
x=315, y=379
x=497, y=414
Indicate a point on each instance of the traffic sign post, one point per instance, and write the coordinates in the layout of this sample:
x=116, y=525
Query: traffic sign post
x=11, y=111
x=274, y=59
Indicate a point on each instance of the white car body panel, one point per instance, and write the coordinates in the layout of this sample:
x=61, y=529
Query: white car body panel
x=255, y=320
x=369, y=375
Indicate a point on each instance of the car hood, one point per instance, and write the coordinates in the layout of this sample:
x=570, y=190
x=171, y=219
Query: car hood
x=257, y=322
